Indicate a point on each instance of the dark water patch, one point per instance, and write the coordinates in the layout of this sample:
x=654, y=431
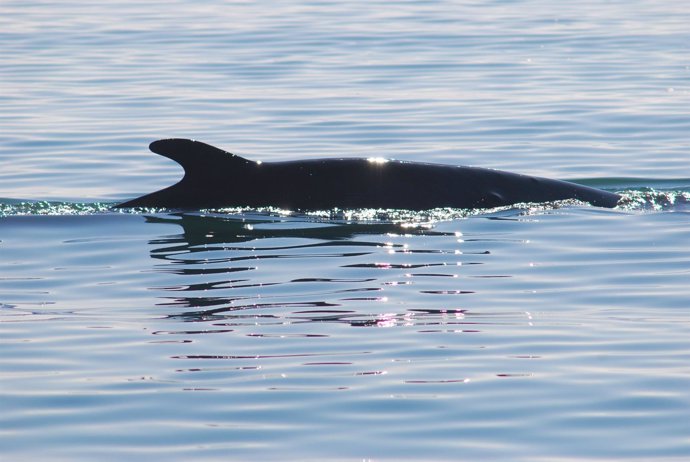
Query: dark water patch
x=437, y=275
x=205, y=314
x=291, y=335
x=320, y=280
x=402, y=265
x=441, y=311
x=208, y=285
x=637, y=184
x=206, y=271
x=447, y=292
x=220, y=369
x=359, y=289
x=192, y=332
x=437, y=381
x=278, y=356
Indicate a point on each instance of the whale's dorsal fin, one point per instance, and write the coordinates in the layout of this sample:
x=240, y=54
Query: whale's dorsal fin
x=198, y=159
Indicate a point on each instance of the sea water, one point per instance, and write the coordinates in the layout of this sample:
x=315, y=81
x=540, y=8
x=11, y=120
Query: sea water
x=535, y=332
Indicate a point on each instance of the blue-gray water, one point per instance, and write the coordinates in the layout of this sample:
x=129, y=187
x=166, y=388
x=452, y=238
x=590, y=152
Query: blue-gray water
x=542, y=332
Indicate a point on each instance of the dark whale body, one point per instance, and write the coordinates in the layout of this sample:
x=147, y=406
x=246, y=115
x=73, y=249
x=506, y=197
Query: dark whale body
x=215, y=178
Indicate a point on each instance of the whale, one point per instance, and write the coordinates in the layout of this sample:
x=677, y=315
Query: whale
x=214, y=178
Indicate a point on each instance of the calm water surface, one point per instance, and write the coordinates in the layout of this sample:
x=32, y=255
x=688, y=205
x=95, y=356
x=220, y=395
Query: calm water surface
x=549, y=332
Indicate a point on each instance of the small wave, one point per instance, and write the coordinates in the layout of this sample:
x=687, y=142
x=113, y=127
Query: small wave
x=638, y=198
x=645, y=194
x=651, y=199
x=13, y=207
x=400, y=216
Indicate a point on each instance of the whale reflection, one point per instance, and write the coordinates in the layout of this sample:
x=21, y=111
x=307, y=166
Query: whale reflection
x=219, y=260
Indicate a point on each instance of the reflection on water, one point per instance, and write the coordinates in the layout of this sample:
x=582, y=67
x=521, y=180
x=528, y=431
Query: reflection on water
x=220, y=259
x=235, y=332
